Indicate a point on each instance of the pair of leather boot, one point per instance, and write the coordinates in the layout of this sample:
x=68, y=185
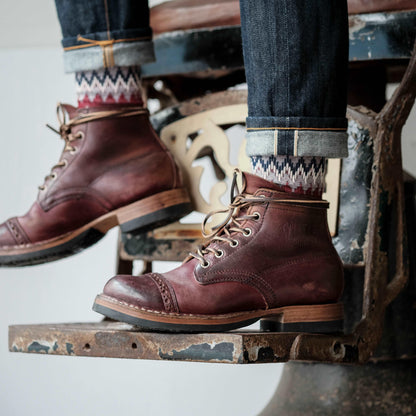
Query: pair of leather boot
x=271, y=259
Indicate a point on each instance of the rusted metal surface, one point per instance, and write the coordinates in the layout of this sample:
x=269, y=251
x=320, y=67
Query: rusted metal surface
x=206, y=50
x=119, y=340
x=378, y=36
x=356, y=173
x=146, y=247
x=387, y=209
x=386, y=273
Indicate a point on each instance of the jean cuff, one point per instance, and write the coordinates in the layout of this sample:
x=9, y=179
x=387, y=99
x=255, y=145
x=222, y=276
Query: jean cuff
x=297, y=136
x=105, y=55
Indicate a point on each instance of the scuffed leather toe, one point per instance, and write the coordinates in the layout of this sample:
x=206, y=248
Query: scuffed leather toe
x=137, y=291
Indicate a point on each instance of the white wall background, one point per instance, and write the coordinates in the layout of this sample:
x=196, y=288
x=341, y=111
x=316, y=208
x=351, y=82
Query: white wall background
x=31, y=82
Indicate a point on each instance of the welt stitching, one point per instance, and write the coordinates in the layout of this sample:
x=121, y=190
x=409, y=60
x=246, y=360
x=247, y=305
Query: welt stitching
x=179, y=315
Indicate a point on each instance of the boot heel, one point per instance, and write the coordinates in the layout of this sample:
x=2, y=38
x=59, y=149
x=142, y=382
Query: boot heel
x=154, y=211
x=321, y=319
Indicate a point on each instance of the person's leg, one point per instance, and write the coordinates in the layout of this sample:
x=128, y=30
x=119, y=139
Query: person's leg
x=297, y=80
x=273, y=256
x=114, y=170
x=105, y=42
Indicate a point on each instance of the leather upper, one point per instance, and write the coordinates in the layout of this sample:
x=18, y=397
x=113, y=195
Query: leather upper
x=115, y=161
x=288, y=259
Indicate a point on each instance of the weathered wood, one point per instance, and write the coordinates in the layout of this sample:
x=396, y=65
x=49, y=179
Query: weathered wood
x=191, y=14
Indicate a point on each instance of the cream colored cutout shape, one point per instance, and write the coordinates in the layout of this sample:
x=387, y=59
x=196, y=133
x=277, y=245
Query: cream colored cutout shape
x=210, y=135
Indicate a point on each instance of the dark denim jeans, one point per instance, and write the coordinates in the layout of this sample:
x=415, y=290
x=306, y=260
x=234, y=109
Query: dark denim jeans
x=103, y=33
x=296, y=56
x=295, y=53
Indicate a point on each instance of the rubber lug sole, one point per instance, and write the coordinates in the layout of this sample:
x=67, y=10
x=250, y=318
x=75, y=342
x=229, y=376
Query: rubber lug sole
x=77, y=244
x=136, y=218
x=156, y=219
x=326, y=318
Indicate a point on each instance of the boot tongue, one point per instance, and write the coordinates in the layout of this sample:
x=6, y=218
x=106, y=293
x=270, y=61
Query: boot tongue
x=71, y=110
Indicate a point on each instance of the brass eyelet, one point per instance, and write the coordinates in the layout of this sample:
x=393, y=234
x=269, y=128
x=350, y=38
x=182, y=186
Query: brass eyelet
x=247, y=232
x=53, y=175
x=256, y=216
x=73, y=151
x=234, y=243
x=80, y=135
x=205, y=265
x=219, y=254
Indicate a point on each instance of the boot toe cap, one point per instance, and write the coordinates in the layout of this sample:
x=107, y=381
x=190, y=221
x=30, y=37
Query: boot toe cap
x=137, y=291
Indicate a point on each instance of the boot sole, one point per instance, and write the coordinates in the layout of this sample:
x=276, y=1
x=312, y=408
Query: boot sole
x=327, y=318
x=138, y=217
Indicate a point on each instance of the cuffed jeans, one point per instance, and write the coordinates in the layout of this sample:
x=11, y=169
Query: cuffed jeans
x=295, y=54
x=103, y=33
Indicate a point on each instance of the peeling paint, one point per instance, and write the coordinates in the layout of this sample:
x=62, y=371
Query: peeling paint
x=69, y=348
x=223, y=351
x=258, y=353
x=37, y=347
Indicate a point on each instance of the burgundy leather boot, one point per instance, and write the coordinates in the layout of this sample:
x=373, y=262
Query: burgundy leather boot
x=114, y=170
x=271, y=259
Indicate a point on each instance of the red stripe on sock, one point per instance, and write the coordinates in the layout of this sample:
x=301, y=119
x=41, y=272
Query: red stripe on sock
x=98, y=100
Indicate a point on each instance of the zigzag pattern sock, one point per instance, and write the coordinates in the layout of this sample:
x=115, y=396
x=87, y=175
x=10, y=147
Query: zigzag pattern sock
x=302, y=175
x=119, y=85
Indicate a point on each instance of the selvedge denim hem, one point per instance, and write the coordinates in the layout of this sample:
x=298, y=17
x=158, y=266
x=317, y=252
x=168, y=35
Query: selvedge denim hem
x=104, y=33
x=296, y=142
x=120, y=54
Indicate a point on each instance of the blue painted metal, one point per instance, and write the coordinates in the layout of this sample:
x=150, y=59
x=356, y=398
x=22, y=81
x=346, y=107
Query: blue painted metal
x=374, y=36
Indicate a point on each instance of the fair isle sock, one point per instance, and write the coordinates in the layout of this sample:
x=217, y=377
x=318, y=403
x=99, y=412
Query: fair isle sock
x=302, y=175
x=116, y=85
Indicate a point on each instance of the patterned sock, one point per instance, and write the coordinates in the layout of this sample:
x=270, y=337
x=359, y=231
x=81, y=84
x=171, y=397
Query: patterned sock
x=120, y=84
x=302, y=175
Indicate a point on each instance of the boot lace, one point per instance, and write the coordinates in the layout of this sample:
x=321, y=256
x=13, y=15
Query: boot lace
x=66, y=125
x=233, y=220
